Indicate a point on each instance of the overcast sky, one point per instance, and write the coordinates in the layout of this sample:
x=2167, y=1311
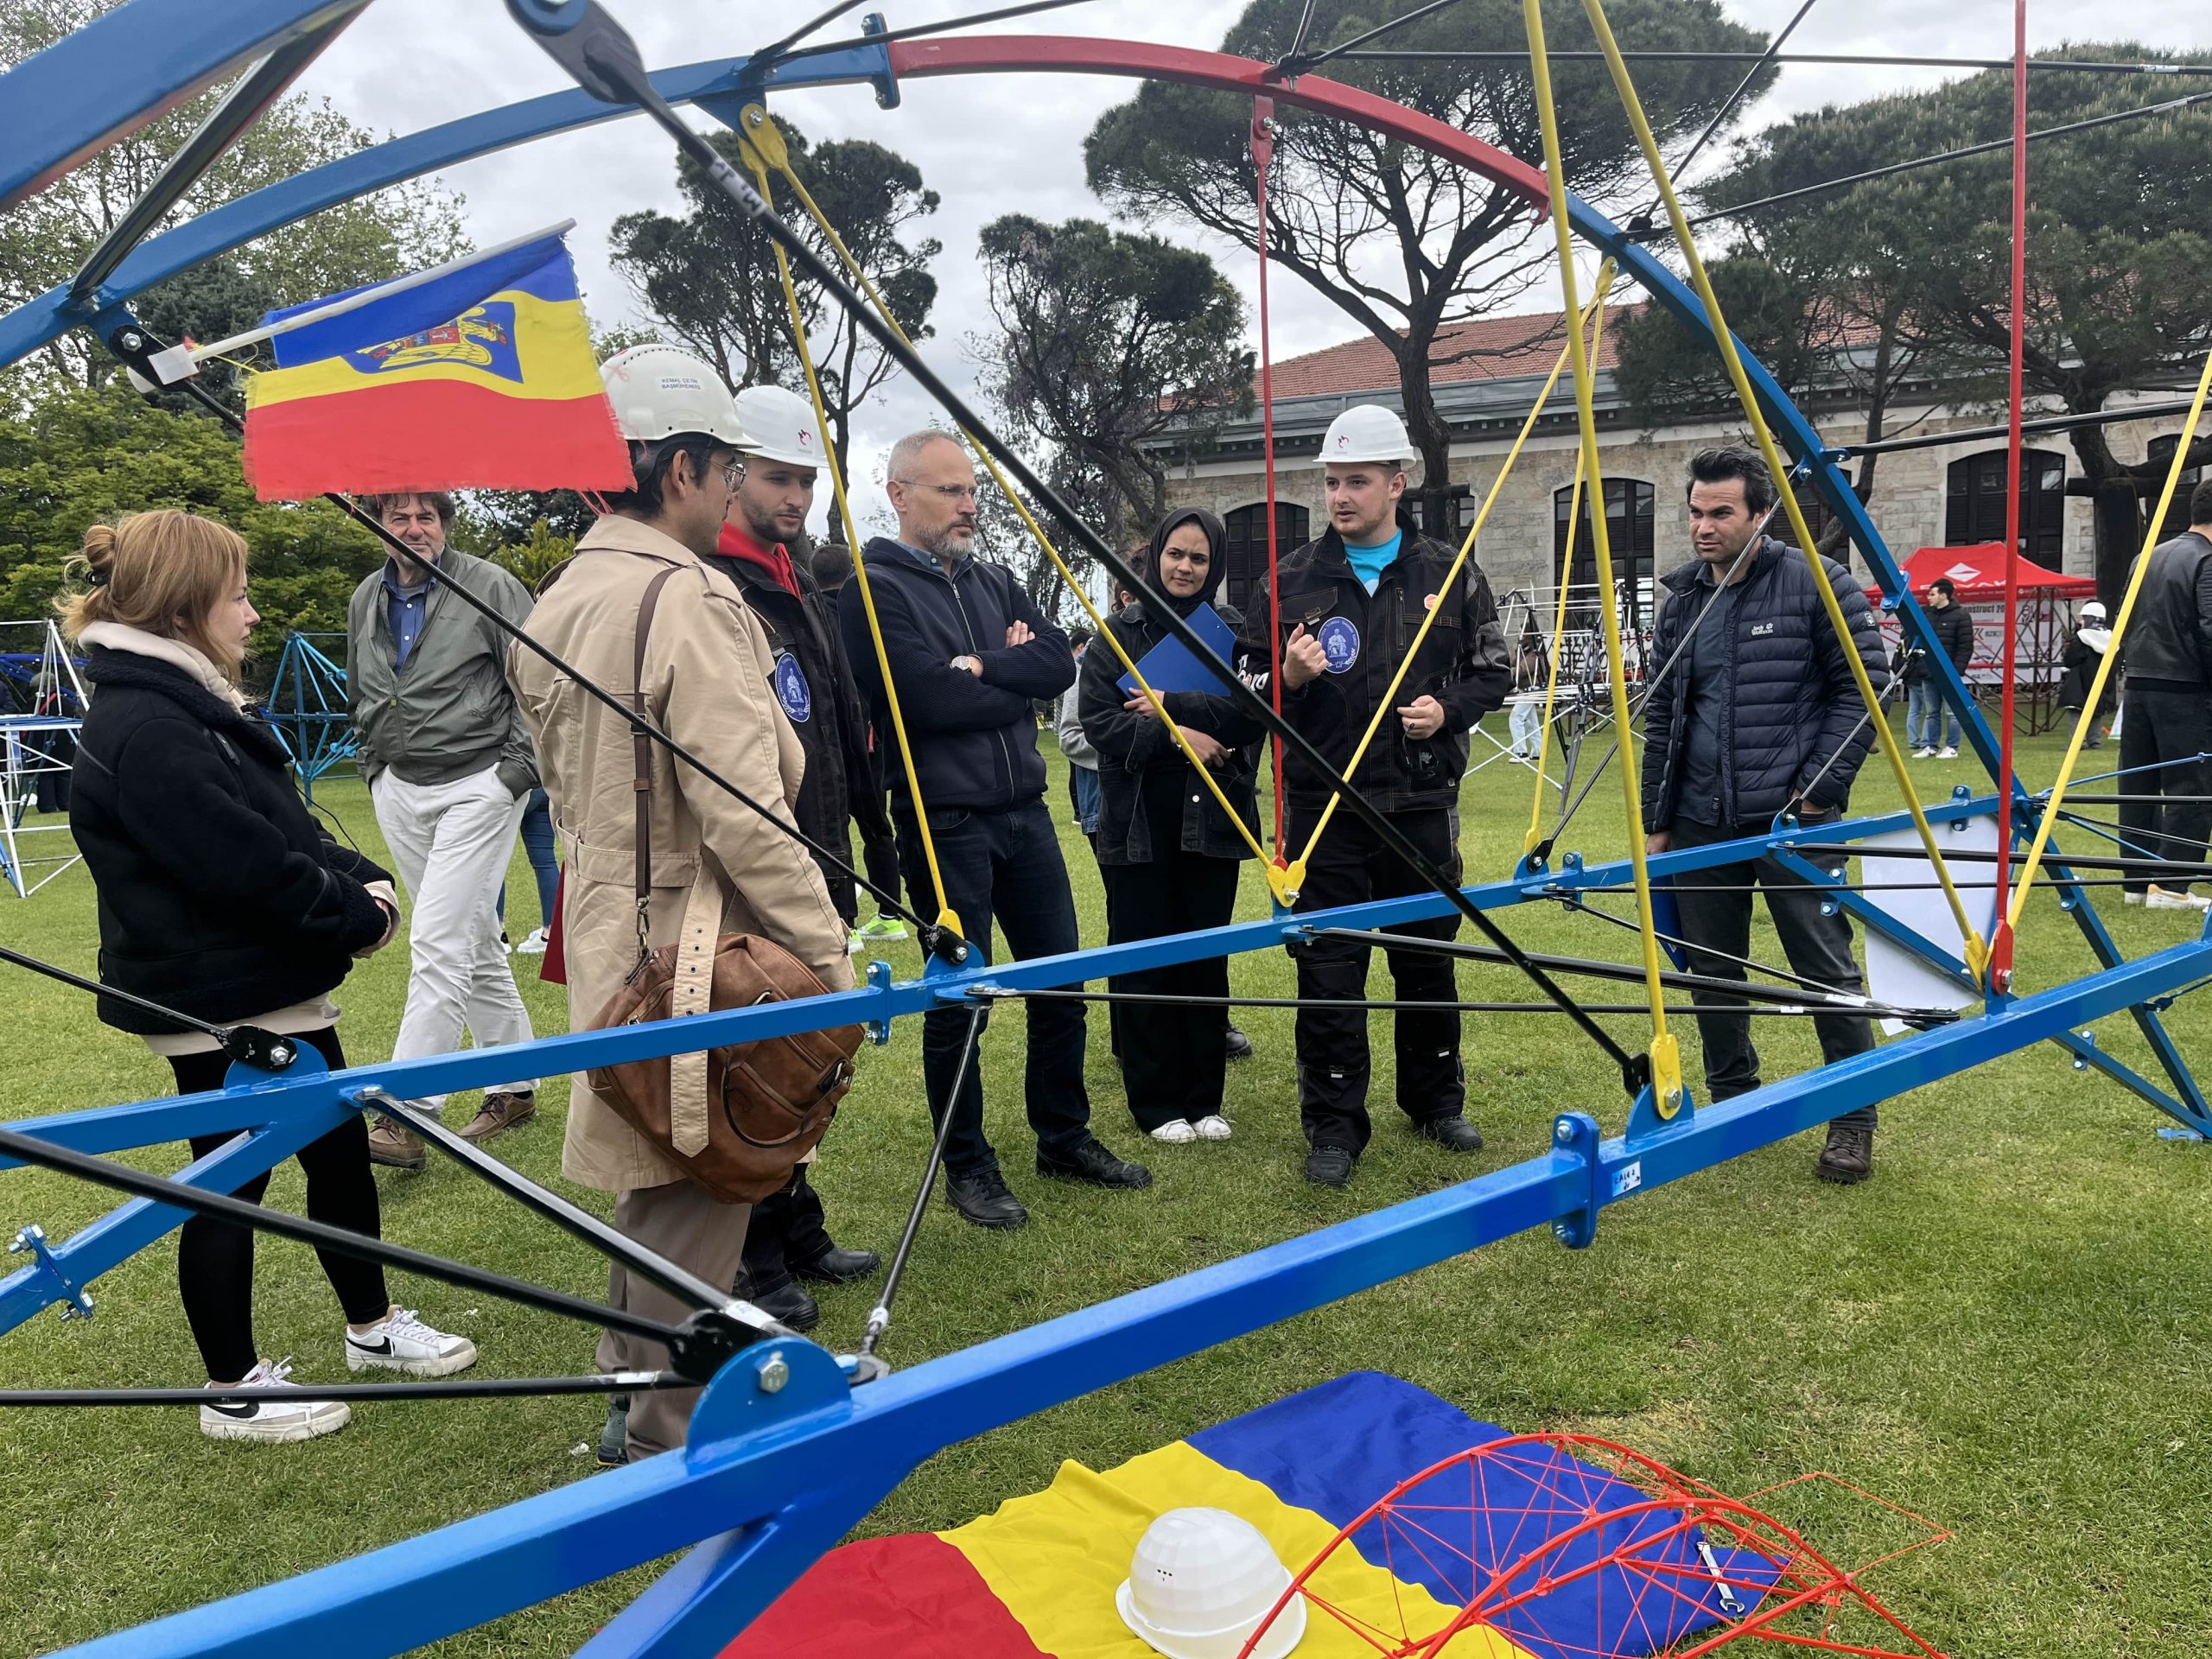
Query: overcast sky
x=992, y=145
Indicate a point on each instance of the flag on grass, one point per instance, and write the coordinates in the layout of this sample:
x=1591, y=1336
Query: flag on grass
x=1036, y=1578
x=481, y=376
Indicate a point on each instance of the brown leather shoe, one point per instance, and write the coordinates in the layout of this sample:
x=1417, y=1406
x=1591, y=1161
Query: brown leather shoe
x=499, y=1114
x=1849, y=1157
x=392, y=1144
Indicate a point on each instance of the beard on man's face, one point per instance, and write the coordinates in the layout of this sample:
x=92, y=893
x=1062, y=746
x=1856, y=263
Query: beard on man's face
x=952, y=539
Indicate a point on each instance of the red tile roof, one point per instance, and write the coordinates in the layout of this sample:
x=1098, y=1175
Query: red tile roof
x=1486, y=348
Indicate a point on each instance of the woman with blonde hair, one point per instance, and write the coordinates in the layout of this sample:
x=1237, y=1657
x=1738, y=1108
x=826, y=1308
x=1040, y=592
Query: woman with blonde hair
x=221, y=898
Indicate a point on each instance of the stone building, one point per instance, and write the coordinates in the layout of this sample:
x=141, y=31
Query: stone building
x=1950, y=495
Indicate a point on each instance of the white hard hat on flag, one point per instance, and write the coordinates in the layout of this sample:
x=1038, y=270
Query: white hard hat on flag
x=780, y=425
x=1199, y=1585
x=660, y=390
x=1367, y=432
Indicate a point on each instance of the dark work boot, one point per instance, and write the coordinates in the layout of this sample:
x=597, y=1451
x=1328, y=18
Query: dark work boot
x=1849, y=1157
x=1240, y=1046
x=837, y=1267
x=1453, y=1133
x=1090, y=1162
x=982, y=1198
x=1329, y=1166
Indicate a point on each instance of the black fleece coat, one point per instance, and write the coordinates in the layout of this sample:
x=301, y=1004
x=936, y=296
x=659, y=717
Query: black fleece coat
x=1791, y=701
x=1462, y=664
x=974, y=737
x=219, y=895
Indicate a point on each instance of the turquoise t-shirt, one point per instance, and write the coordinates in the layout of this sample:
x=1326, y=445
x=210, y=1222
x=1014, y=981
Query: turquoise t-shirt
x=1368, y=563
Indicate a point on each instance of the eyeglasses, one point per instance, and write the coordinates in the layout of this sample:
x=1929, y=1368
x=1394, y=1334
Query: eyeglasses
x=950, y=492
x=733, y=473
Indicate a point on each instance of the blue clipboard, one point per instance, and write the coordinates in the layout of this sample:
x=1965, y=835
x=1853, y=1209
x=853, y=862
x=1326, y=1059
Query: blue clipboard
x=1170, y=665
x=1667, y=921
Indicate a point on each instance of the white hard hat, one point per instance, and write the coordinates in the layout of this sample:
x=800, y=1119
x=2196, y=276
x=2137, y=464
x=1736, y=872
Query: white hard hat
x=2093, y=610
x=1200, y=1582
x=1367, y=432
x=660, y=390
x=781, y=426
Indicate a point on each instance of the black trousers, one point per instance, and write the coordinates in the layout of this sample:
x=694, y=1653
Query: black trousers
x=1174, y=1062
x=1716, y=910
x=1349, y=866
x=214, y=1259
x=1004, y=866
x=2158, y=725
x=787, y=1233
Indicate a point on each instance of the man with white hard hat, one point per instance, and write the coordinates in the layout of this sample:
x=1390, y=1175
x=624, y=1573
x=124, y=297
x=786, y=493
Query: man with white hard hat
x=787, y=1240
x=1348, y=605
x=640, y=574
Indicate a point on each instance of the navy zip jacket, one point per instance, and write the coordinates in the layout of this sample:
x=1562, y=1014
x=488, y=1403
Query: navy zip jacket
x=974, y=739
x=1790, y=702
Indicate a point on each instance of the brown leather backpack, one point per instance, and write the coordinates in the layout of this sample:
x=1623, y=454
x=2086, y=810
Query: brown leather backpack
x=759, y=1107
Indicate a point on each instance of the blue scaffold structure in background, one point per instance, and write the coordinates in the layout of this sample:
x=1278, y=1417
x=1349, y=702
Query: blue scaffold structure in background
x=307, y=707
x=791, y=1444
x=42, y=711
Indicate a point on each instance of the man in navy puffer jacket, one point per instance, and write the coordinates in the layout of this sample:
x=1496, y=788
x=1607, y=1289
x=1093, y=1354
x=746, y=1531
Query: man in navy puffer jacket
x=970, y=656
x=1759, y=717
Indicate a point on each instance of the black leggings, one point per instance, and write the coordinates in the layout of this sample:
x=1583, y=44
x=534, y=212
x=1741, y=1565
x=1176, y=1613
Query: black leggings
x=214, y=1259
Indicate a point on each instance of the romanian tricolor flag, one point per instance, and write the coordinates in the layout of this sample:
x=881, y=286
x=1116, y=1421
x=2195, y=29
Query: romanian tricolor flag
x=481, y=376
x=1036, y=1578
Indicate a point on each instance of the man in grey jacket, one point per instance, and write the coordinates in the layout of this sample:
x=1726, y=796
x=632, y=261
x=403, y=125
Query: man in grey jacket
x=2166, y=725
x=449, y=768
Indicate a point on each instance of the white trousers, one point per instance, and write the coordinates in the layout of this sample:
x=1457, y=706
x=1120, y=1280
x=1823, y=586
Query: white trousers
x=453, y=843
x=1527, y=726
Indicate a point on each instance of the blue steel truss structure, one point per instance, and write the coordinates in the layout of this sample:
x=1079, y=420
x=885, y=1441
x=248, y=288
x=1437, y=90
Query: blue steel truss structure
x=785, y=1454
x=307, y=707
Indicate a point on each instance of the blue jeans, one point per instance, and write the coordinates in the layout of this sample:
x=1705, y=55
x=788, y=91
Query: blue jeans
x=1926, y=714
x=1084, y=781
x=537, y=842
x=1005, y=865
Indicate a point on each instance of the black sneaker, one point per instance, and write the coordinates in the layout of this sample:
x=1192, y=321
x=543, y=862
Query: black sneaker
x=983, y=1199
x=1089, y=1161
x=1453, y=1133
x=1849, y=1157
x=1329, y=1166
x=1240, y=1046
x=837, y=1267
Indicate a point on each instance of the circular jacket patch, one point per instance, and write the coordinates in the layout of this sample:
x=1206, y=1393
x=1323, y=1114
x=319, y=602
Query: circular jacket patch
x=791, y=688
x=1339, y=644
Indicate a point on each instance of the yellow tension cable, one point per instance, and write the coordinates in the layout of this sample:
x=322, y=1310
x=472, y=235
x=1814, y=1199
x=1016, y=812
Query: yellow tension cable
x=1976, y=949
x=2082, y=726
x=1536, y=835
x=1387, y=704
x=1666, y=1054
x=763, y=148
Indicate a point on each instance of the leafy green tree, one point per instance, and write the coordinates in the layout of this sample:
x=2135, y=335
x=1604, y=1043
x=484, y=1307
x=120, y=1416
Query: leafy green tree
x=2119, y=254
x=44, y=239
x=1405, y=244
x=710, y=274
x=1113, y=348
x=89, y=454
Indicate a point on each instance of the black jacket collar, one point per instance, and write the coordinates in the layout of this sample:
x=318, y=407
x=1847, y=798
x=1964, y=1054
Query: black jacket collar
x=1698, y=574
x=108, y=668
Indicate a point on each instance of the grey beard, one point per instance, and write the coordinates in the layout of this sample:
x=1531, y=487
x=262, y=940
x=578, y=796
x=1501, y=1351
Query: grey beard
x=941, y=545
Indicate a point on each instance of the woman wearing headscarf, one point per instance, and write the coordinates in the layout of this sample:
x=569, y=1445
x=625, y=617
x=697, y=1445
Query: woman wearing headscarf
x=1169, y=853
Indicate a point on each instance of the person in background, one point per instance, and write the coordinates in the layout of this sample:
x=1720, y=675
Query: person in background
x=714, y=866
x=1082, y=759
x=1170, y=855
x=788, y=1239
x=829, y=566
x=221, y=898
x=537, y=844
x=1530, y=674
x=1351, y=602
x=2166, y=725
x=1761, y=717
x=448, y=766
x=971, y=656
x=1939, y=732
x=2086, y=644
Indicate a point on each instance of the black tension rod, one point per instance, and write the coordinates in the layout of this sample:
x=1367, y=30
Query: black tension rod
x=1875, y=61
x=879, y=1320
x=494, y=1388
x=1392, y=1005
x=2040, y=424
x=586, y=42
x=136, y=346
x=265, y=1051
x=914, y=32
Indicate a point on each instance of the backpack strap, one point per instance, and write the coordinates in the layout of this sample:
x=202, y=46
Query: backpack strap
x=641, y=752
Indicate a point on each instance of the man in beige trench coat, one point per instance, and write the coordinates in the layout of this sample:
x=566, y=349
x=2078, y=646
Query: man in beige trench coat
x=717, y=866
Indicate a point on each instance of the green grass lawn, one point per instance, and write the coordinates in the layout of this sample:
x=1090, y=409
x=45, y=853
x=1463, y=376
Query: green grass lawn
x=2005, y=1330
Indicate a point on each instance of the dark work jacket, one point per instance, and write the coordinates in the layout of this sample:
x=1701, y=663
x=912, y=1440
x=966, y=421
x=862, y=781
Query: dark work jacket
x=815, y=693
x=2168, y=642
x=1140, y=766
x=974, y=739
x=1791, y=703
x=1462, y=664
x=1952, y=630
x=219, y=896
x=2078, y=667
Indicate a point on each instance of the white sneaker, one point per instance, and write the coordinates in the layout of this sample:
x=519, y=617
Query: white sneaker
x=273, y=1421
x=1176, y=1134
x=400, y=1342
x=2169, y=899
x=1215, y=1127
x=1923, y=753
x=532, y=945
x=2131, y=898
x=1947, y=752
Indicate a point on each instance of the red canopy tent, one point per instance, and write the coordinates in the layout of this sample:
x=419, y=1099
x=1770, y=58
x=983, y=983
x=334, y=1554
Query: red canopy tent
x=1977, y=571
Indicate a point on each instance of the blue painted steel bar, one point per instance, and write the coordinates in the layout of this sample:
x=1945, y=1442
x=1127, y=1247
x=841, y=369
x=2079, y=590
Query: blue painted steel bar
x=754, y=1453
x=2089, y=1054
